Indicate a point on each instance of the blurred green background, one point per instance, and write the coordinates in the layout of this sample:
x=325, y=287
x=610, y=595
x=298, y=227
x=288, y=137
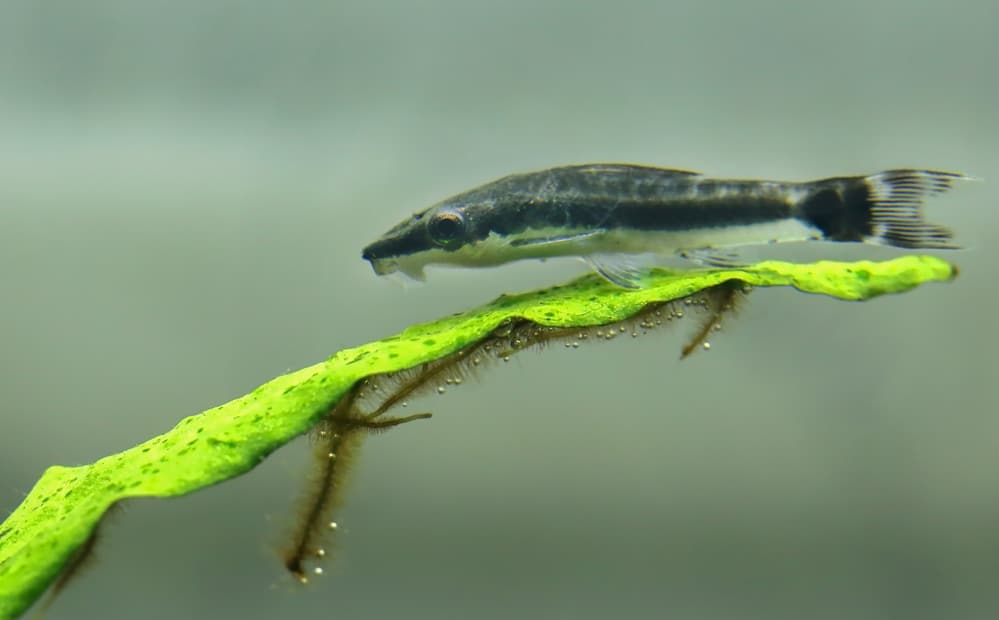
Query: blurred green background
x=185, y=188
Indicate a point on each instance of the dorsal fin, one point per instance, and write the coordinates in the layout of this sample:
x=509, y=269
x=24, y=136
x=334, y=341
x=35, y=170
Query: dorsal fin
x=605, y=168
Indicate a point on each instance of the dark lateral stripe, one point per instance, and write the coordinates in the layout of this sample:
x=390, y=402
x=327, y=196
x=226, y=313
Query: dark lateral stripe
x=673, y=215
x=701, y=214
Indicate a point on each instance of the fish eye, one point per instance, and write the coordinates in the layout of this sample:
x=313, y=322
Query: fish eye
x=446, y=227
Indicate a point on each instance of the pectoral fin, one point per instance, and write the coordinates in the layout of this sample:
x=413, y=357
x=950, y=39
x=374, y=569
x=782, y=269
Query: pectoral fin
x=617, y=269
x=553, y=240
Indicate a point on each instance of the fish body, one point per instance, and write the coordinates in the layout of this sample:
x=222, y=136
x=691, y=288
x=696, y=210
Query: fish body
x=605, y=213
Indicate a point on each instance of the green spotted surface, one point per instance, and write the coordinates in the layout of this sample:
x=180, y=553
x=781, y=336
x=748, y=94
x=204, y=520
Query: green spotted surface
x=67, y=503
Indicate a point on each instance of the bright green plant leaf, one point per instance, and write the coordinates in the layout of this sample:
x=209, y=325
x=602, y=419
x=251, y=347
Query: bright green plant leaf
x=67, y=503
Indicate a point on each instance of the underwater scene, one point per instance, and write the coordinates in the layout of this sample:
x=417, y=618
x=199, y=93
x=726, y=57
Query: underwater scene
x=486, y=310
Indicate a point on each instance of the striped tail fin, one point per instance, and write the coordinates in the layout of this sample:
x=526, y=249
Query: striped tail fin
x=884, y=208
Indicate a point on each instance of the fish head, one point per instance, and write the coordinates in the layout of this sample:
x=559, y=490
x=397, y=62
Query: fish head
x=442, y=234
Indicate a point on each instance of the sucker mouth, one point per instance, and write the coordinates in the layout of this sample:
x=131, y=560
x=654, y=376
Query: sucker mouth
x=384, y=266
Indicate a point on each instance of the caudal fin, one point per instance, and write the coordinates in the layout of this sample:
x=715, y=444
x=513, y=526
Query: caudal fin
x=896, y=207
x=884, y=208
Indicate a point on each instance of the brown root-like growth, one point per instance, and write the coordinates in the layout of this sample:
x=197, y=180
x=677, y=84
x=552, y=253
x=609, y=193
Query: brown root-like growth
x=715, y=302
x=335, y=439
x=83, y=558
x=363, y=409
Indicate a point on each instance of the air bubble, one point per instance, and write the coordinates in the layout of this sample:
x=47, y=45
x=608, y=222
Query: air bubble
x=318, y=570
x=441, y=389
x=320, y=552
x=333, y=525
x=707, y=345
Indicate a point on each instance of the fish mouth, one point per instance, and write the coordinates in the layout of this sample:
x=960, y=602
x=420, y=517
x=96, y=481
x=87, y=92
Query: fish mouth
x=389, y=266
x=383, y=266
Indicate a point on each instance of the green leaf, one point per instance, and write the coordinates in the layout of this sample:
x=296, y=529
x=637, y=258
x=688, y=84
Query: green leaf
x=66, y=505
